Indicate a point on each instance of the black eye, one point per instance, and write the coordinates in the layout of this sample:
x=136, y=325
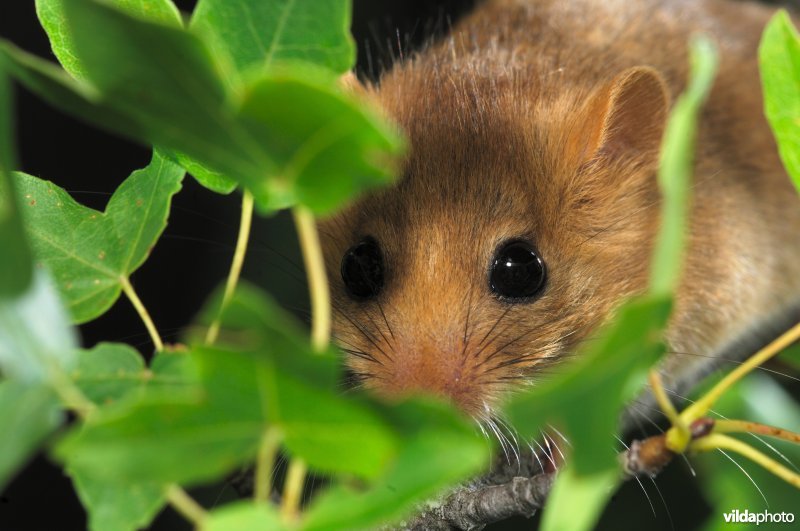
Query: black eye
x=362, y=269
x=517, y=271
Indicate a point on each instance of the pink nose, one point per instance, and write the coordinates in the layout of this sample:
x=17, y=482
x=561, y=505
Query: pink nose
x=432, y=371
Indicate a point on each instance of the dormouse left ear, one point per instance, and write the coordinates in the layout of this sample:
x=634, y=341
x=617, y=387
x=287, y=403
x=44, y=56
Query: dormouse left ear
x=625, y=118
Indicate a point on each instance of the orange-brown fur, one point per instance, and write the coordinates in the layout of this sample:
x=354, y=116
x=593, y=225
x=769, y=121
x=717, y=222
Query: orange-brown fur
x=542, y=119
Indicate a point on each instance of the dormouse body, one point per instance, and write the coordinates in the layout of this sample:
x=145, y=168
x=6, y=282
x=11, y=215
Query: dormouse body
x=528, y=203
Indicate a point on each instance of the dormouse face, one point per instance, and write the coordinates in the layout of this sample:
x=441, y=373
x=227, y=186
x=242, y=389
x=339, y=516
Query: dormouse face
x=517, y=225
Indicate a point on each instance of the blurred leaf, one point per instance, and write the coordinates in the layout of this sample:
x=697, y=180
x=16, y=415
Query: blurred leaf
x=779, y=60
x=16, y=264
x=52, y=18
x=36, y=339
x=314, y=31
x=29, y=412
x=675, y=169
x=155, y=439
x=162, y=439
x=791, y=356
x=118, y=506
x=91, y=253
x=57, y=88
x=108, y=372
x=244, y=516
x=327, y=146
x=173, y=373
x=439, y=450
x=253, y=321
x=576, y=501
x=586, y=398
x=330, y=432
x=160, y=85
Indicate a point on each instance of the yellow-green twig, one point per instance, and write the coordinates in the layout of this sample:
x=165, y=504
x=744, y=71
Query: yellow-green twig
x=265, y=461
x=293, y=490
x=678, y=436
x=143, y=314
x=185, y=505
x=723, y=442
x=235, y=272
x=317, y=278
x=704, y=403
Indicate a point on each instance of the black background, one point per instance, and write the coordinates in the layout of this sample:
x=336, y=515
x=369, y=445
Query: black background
x=195, y=252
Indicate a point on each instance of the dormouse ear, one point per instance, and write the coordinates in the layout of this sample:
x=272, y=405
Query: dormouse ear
x=624, y=118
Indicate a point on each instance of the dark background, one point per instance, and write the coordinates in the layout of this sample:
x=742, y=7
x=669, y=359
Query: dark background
x=195, y=252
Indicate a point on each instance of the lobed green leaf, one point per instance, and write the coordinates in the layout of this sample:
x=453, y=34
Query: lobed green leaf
x=108, y=372
x=161, y=85
x=91, y=254
x=256, y=34
x=779, y=61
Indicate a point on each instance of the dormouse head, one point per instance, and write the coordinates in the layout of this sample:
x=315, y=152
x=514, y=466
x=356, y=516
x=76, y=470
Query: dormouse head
x=523, y=215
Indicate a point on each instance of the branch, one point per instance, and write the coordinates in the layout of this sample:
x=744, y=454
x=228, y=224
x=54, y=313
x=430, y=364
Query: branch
x=474, y=508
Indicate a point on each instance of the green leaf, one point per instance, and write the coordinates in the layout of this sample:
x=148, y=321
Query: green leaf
x=118, y=506
x=439, y=450
x=244, y=516
x=588, y=492
x=779, y=61
x=164, y=80
x=156, y=439
x=585, y=400
x=28, y=414
x=36, y=340
x=52, y=18
x=16, y=264
x=330, y=432
x=791, y=356
x=214, y=181
x=91, y=254
x=159, y=439
x=255, y=33
x=675, y=170
x=56, y=87
x=109, y=372
x=160, y=85
x=112, y=371
x=328, y=147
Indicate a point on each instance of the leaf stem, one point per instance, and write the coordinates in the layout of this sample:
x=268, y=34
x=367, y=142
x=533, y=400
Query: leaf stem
x=704, y=403
x=265, y=461
x=317, y=278
x=745, y=426
x=142, y=311
x=723, y=442
x=185, y=505
x=245, y=223
x=293, y=490
x=71, y=396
